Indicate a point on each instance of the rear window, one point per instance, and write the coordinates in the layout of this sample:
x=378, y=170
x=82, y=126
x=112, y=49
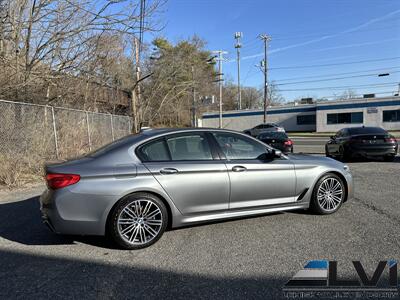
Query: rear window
x=366, y=130
x=154, y=151
x=114, y=145
x=273, y=135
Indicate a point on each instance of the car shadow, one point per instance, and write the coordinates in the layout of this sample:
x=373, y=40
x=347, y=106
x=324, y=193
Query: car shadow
x=21, y=222
x=367, y=160
x=35, y=276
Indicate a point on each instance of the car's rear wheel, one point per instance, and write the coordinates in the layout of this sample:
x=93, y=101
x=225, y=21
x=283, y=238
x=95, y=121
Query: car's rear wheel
x=138, y=221
x=328, y=195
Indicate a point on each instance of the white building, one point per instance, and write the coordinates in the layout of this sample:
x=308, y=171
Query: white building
x=326, y=116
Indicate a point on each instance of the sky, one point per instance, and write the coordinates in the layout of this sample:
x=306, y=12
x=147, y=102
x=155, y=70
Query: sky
x=312, y=40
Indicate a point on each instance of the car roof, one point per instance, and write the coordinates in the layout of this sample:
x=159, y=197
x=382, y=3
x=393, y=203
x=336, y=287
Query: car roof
x=362, y=129
x=148, y=134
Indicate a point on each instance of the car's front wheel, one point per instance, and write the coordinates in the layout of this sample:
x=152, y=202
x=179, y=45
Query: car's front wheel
x=328, y=195
x=327, y=154
x=138, y=221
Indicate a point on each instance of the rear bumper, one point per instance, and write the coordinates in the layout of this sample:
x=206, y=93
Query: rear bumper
x=369, y=151
x=64, y=212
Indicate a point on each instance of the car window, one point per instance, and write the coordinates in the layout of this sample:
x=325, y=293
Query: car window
x=239, y=147
x=259, y=126
x=273, y=135
x=189, y=147
x=154, y=151
x=367, y=130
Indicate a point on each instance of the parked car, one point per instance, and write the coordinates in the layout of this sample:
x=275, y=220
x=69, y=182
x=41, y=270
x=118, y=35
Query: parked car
x=277, y=140
x=257, y=130
x=375, y=142
x=133, y=189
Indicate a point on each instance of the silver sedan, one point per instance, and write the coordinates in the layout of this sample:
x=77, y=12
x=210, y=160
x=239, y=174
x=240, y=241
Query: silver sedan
x=132, y=190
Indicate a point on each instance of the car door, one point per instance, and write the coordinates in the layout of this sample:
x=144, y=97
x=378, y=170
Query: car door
x=190, y=172
x=255, y=180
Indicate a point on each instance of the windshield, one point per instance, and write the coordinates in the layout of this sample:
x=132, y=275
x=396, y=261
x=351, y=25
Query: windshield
x=367, y=130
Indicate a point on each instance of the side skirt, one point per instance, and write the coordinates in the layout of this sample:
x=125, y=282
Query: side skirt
x=180, y=221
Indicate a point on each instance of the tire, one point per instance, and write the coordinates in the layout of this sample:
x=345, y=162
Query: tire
x=343, y=156
x=325, y=203
x=389, y=158
x=327, y=152
x=128, y=226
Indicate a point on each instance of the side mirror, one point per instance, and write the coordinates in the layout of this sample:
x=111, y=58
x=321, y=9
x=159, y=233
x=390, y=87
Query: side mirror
x=333, y=137
x=277, y=153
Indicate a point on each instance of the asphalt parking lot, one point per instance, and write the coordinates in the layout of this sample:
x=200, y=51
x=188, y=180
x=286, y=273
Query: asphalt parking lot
x=247, y=258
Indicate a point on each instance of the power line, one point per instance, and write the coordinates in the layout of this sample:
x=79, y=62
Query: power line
x=341, y=87
x=337, y=74
x=357, y=95
x=334, y=78
x=311, y=35
x=334, y=64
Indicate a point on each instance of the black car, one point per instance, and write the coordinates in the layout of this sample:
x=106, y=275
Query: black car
x=353, y=142
x=278, y=140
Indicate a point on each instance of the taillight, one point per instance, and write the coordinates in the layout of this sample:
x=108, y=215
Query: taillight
x=390, y=140
x=288, y=143
x=58, y=181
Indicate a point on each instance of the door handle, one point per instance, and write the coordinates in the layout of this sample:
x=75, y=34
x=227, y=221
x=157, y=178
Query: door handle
x=168, y=171
x=238, y=169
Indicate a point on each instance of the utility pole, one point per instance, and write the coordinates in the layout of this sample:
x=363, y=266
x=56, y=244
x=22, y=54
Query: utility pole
x=266, y=38
x=194, y=120
x=238, y=36
x=220, y=58
x=138, y=48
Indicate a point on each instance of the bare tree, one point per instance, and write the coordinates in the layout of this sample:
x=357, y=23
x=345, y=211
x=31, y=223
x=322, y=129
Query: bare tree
x=50, y=39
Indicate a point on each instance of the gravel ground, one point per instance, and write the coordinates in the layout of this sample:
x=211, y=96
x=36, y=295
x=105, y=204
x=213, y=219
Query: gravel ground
x=247, y=258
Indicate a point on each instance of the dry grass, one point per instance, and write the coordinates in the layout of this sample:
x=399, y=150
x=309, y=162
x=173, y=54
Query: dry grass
x=27, y=139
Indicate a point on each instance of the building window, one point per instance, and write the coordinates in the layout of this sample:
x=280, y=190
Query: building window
x=345, y=118
x=391, y=115
x=306, y=120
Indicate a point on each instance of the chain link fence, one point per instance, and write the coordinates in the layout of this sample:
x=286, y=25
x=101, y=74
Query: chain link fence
x=31, y=134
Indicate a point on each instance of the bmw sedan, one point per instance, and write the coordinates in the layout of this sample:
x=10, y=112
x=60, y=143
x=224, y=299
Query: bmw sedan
x=266, y=127
x=363, y=141
x=132, y=190
x=277, y=140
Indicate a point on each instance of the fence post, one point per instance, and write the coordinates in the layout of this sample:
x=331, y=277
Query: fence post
x=88, y=131
x=55, y=132
x=112, y=127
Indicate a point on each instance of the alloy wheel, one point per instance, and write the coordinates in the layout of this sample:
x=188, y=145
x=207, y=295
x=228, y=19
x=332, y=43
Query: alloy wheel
x=330, y=194
x=139, y=222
